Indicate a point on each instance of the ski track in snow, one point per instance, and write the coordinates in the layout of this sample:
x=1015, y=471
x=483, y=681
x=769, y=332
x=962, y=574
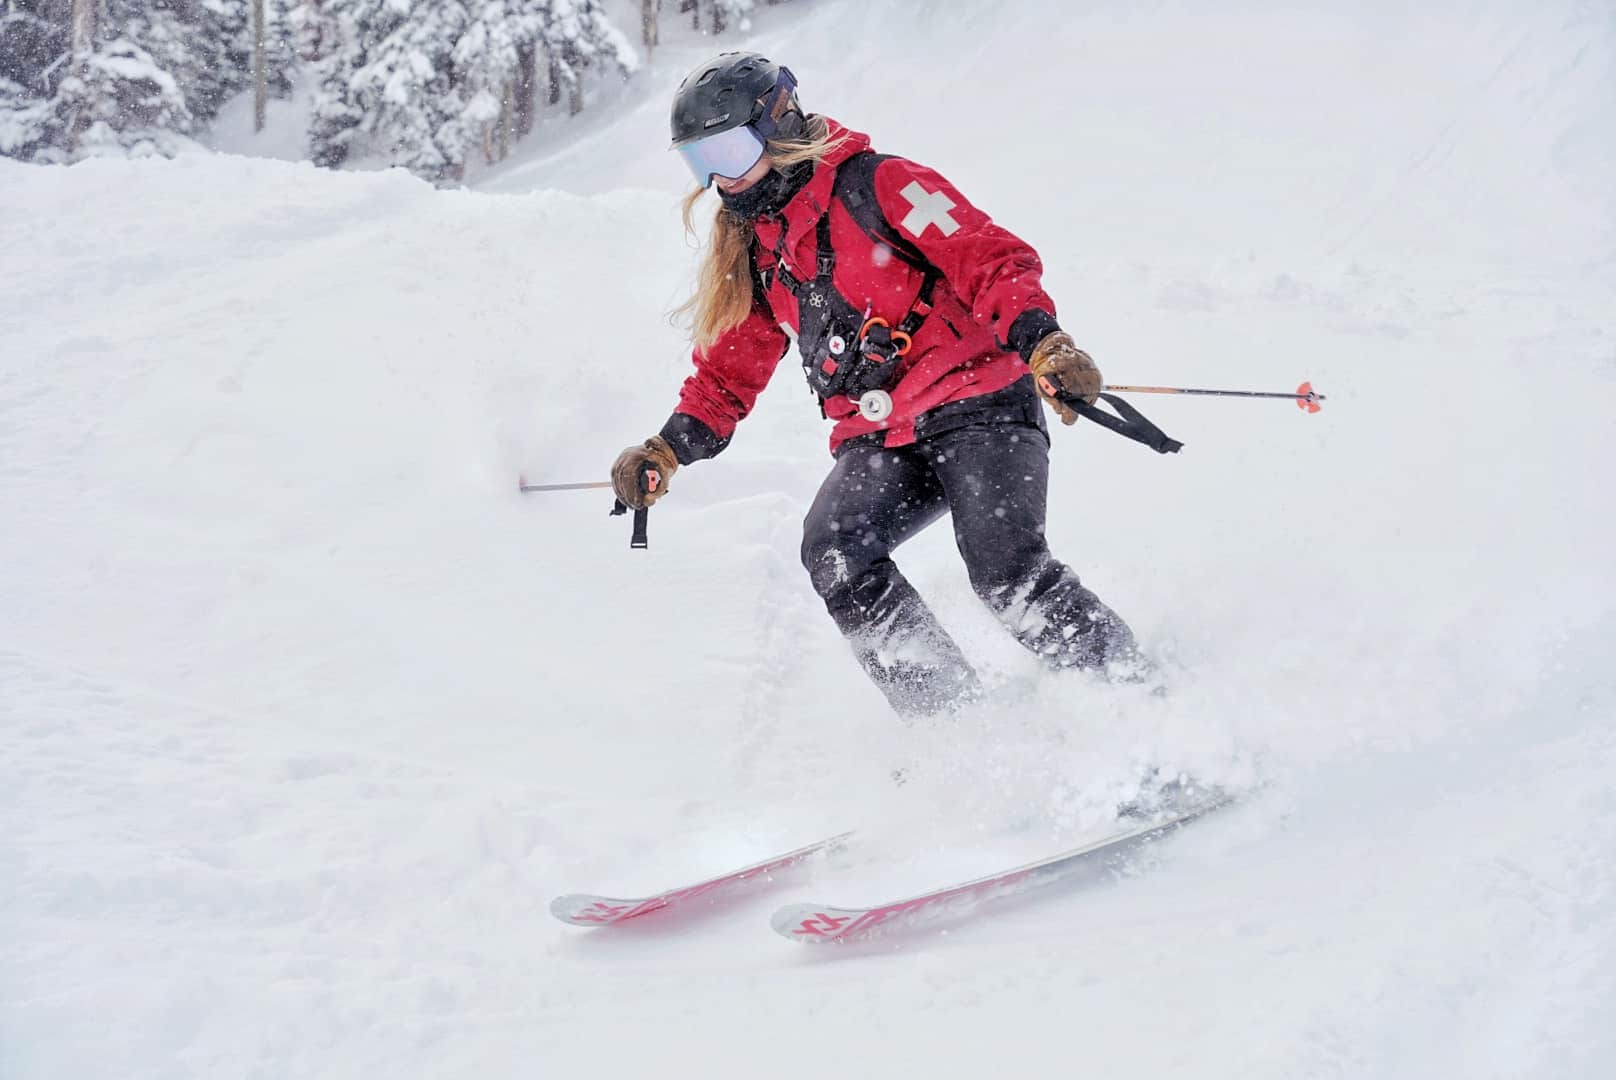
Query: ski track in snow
x=305, y=713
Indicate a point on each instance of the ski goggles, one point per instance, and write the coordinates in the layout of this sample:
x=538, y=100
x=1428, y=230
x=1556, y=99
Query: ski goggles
x=730, y=154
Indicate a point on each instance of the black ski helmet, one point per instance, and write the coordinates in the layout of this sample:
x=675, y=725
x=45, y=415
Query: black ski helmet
x=733, y=89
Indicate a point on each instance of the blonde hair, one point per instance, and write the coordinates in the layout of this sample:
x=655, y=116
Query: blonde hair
x=723, y=295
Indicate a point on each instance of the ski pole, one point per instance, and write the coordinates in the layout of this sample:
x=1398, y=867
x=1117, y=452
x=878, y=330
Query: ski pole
x=525, y=486
x=1305, y=396
x=650, y=480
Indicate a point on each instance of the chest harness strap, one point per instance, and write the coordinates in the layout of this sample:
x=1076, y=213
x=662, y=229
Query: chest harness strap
x=846, y=352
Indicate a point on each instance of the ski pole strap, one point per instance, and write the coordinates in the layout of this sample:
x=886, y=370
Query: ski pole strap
x=650, y=480
x=637, y=540
x=1131, y=423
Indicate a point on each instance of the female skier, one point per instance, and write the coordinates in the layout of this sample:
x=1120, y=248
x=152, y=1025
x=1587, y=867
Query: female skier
x=924, y=329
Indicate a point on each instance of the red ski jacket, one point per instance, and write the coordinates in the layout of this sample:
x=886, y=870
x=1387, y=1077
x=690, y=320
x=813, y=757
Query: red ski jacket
x=970, y=344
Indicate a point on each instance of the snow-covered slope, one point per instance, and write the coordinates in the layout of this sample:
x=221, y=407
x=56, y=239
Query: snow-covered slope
x=305, y=713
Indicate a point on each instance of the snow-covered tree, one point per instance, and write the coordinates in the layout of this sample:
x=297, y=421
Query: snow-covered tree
x=497, y=64
x=429, y=83
x=282, y=59
x=313, y=27
x=32, y=45
x=727, y=13
x=131, y=74
x=26, y=121
x=392, y=88
x=649, y=10
x=107, y=88
x=204, y=49
x=116, y=100
x=720, y=15
x=35, y=47
x=423, y=83
x=578, y=36
x=204, y=45
x=493, y=63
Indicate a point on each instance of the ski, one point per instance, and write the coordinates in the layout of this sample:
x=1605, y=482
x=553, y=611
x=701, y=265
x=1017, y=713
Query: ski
x=817, y=923
x=584, y=909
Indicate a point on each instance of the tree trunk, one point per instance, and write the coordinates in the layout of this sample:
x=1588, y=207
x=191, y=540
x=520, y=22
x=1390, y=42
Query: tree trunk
x=575, y=63
x=260, y=66
x=527, y=60
x=314, y=45
x=648, y=21
x=506, y=120
x=85, y=14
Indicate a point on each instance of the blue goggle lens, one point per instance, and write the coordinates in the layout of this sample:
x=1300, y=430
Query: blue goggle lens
x=730, y=154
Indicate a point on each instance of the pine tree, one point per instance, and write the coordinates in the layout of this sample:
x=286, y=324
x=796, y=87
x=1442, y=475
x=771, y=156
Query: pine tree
x=283, y=58
x=493, y=68
x=727, y=13
x=35, y=46
x=107, y=89
x=393, y=87
x=721, y=15
x=422, y=83
x=334, y=127
x=577, y=36
x=649, y=10
x=118, y=100
x=31, y=43
x=313, y=27
x=205, y=45
x=428, y=83
x=28, y=123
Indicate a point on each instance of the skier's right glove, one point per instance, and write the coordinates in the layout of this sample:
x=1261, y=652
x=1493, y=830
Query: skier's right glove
x=631, y=465
x=1058, y=364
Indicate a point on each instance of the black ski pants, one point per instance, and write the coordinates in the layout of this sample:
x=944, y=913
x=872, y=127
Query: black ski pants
x=992, y=475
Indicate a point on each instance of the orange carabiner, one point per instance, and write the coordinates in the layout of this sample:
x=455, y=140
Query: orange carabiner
x=896, y=334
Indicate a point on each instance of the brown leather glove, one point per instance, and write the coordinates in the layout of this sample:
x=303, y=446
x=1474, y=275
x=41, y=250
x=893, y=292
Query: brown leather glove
x=656, y=452
x=1057, y=363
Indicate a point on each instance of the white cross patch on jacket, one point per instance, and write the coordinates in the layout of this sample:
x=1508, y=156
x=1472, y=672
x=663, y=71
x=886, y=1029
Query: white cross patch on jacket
x=929, y=208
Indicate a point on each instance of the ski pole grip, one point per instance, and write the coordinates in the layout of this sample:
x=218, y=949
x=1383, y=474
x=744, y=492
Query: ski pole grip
x=650, y=480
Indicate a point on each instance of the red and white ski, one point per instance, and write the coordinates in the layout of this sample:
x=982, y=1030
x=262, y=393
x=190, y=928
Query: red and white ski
x=583, y=909
x=821, y=923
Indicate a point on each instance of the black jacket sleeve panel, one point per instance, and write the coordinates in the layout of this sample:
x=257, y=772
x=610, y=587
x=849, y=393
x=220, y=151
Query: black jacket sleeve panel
x=691, y=439
x=1030, y=327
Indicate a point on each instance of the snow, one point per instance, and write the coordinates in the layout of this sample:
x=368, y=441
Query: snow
x=286, y=125
x=305, y=713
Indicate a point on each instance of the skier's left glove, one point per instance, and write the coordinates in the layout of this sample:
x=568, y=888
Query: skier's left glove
x=631, y=463
x=1059, y=365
